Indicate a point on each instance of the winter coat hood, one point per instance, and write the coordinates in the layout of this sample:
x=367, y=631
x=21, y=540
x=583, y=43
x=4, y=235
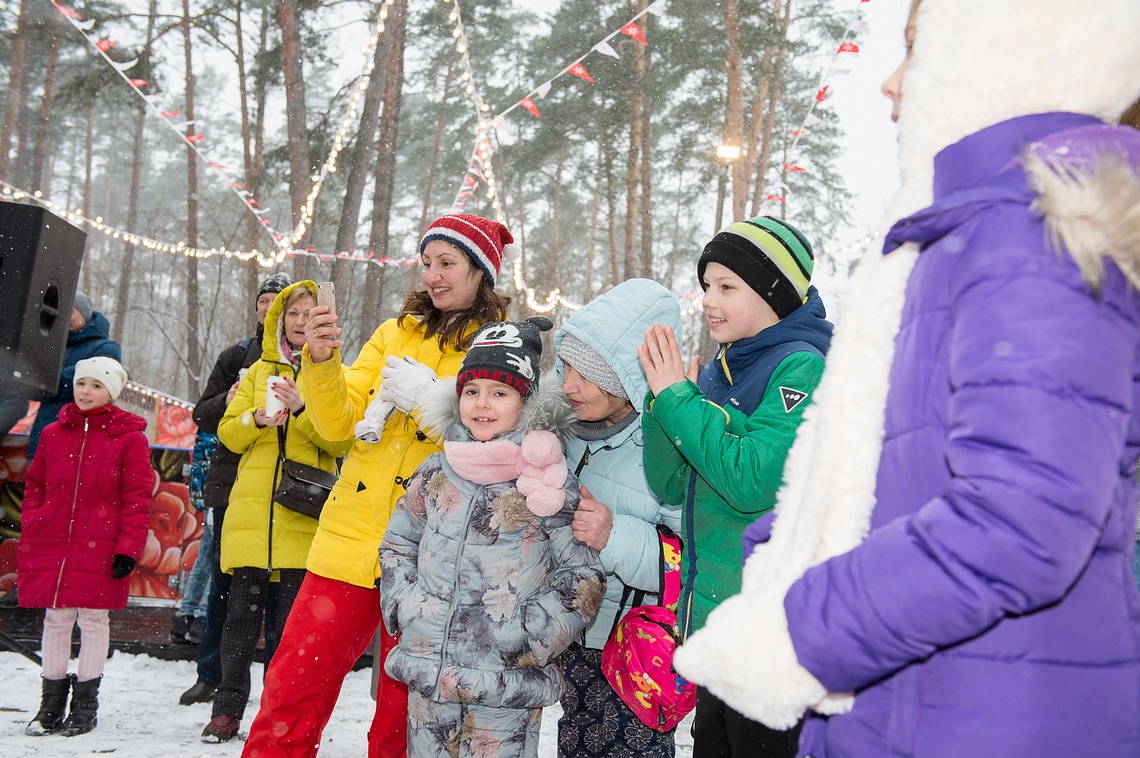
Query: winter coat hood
x=548, y=409
x=273, y=335
x=614, y=324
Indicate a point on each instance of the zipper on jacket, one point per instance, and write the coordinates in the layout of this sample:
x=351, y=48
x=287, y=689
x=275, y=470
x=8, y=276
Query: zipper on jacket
x=686, y=606
x=71, y=521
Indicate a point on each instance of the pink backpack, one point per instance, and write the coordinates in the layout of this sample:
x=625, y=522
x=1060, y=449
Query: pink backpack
x=638, y=657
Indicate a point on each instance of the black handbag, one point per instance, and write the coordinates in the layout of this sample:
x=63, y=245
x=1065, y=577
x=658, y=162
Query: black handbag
x=302, y=488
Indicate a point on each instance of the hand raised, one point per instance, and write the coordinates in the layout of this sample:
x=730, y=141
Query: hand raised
x=322, y=334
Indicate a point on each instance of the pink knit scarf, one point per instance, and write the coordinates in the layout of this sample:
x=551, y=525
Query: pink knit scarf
x=537, y=466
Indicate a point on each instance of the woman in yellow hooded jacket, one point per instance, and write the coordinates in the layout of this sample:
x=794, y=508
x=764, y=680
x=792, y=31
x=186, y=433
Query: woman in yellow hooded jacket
x=263, y=542
x=337, y=612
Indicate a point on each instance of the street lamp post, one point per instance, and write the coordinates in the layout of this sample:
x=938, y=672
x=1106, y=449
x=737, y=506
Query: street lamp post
x=727, y=154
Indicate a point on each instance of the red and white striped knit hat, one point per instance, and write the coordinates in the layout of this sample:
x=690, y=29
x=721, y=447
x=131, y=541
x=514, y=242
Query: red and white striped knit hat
x=487, y=243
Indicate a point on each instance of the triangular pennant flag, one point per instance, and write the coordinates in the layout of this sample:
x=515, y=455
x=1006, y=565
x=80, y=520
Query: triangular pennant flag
x=819, y=96
x=527, y=103
x=839, y=72
x=812, y=120
x=498, y=123
x=791, y=398
x=605, y=49
x=848, y=47
x=775, y=198
x=138, y=82
x=543, y=89
x=579, y=71
x=169, y=114
x=259, y=210
x=857, y=25
x=657, y=7
x=793, y=167
x=124, y=65
x=83, y=26
x=211, y=164
x=65, y=11
x=475, y=170
x=631, y=30
x=799, y=132
x=153, y=99
x=104, y=45
x=195, y=137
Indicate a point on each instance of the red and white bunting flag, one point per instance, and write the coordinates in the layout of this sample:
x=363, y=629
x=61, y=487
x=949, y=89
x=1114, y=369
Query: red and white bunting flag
x=475, y=170
x=606, y=49
x=543, y=89
x=848, y=47
x=775, y=198
x=819, y=96
x=857, y=25
x=211, y=164
x=65, y=11
x=104, y=45
x=579, y=71
x=498, y=123
x=811, y=120
x=124, y=65
x=657, y=7
x=631, y=30
x=169, y=114
x=799, y=132
x=195, y=137
x=138, y=82
x=793, y=167
x=527, y=103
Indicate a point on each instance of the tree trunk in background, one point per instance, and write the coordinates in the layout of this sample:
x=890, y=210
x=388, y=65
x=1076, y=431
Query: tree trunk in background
x=734, y=126
x=555, y=207
x=41, y=178
x=193, y=353
x=298, y=142
x=123, y=297
x=372, y=310
x=255, y=273
x=641, y=66
x=611, y=215
x=750, y=154
x=773, y=102
x=357, y=178
x=591, y=242
x=17, y=73
x=436, y=145
x=88, y=154
x=251, y=224
x=629, y=250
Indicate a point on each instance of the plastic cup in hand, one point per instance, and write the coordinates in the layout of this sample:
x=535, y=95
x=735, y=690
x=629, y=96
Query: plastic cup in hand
x=273, y=404
x=242, y=373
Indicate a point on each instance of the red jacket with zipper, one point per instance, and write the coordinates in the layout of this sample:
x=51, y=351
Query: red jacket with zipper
x=87, y=498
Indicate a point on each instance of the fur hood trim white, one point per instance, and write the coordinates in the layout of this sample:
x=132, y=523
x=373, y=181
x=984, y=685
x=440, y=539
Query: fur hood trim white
x=548, y=409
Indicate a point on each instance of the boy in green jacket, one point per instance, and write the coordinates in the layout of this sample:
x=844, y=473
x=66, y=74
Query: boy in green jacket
x=716, y=442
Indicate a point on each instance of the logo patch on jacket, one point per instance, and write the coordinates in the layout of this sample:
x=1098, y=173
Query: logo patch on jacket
x=791, y=398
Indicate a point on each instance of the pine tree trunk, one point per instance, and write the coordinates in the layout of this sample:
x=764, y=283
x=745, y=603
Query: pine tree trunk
x=592, y=242
x=17, y=73
x=773, y=103
x=641, y=65
x=435, y=148
x=88, y=157
x=551, y=282
x=193, y=354
x=385, y=169
x=296, y=126
x=734, y=126
x=41, y=178
x=126, y=269
x=253, y=172
x=630, y=258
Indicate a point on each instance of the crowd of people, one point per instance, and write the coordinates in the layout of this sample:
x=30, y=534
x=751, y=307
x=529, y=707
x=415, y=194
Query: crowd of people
x=935, y=562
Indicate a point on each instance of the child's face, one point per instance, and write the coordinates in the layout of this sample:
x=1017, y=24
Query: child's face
x=90, y=393
x=487, y=408
x=735, y=311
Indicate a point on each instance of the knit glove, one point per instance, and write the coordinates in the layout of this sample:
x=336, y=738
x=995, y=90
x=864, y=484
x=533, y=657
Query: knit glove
x=406, y=380
x=371, y=427
x=543, y=473
x=121, y=565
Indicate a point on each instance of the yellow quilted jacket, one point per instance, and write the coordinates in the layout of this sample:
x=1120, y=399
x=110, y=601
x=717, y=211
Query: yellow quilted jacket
x=246, y=531
x=347, y=543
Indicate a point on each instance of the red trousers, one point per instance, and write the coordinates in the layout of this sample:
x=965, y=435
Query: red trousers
x=330, y=626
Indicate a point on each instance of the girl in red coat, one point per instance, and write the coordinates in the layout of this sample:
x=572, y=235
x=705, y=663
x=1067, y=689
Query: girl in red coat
x=85, y=511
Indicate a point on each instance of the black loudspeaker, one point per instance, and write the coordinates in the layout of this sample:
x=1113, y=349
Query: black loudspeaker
x=40, y=255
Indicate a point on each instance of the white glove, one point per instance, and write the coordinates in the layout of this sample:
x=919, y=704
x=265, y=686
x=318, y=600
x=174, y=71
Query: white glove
x=406, y=380
x=371, y=427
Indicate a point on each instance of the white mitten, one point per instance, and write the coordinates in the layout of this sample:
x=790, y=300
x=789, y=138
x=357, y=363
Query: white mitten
x=405, y=382
x=371, y=427
x=763, y=681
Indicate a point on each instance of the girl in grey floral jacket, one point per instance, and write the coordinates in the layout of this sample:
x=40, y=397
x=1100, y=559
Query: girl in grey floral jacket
x=481, y=574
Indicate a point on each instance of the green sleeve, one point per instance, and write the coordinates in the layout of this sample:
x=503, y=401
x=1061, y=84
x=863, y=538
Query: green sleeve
x=740, y=457
x=666, y=470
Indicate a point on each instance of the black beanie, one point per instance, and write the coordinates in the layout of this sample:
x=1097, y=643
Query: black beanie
x=507, y=352
x=275, y=283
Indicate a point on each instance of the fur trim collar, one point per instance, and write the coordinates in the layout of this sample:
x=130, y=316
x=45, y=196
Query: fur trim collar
x=548, y=409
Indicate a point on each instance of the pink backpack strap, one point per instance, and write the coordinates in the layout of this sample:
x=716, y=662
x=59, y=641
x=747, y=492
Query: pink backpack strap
x=671, y=547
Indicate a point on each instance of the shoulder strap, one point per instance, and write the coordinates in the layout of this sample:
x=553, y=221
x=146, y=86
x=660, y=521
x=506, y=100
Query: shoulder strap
x=671, y=547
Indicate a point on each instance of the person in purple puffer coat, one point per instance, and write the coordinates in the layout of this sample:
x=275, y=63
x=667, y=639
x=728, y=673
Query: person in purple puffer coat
x=948, y=572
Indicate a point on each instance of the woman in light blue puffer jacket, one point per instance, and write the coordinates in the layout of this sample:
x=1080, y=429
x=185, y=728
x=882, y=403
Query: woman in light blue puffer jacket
x=618, y=514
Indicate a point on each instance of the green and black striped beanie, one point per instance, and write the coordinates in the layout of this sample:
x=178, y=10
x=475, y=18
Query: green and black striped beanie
x=771, y=256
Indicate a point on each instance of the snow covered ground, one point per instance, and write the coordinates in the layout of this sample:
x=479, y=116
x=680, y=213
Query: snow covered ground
x=139, y=715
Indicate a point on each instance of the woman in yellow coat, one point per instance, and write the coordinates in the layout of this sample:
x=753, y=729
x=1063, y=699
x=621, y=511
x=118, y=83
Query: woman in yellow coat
x=262, y=541
x=337, y=612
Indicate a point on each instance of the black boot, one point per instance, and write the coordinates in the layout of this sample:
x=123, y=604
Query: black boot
x=84, y=704
x=52, y=706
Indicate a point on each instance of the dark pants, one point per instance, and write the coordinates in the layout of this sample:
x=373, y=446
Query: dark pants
x=720, y=732
x=595, y=722
x=210, y=648
x=245, y=614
